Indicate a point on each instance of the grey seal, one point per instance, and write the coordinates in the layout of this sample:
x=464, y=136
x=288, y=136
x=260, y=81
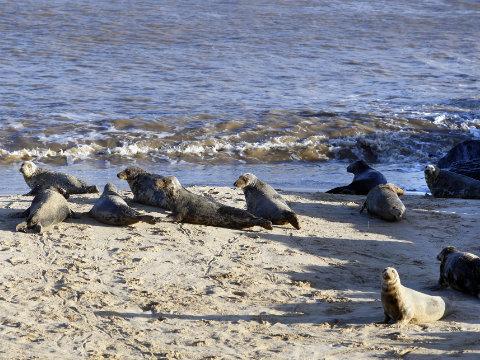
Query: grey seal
x=143, y=186
x=404, y=305
x=447, y=184
x=383, y=202
x=36, y=177
x=460, y=271
x=263, y=201
x=365, y=178
x=196, y=209
x=49, y=207
x=111, y=209
x=463, y=158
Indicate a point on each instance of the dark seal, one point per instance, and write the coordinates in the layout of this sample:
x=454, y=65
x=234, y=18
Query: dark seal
x=383, y=202
x=463, y=158
x=111, y=209
x=403, y=305
x=263, y=201
x=49, y=207
x=143, y=186
x=196, y=209
x=365, y=178
x=460, y=271
x=447, y=184
x=36, y=178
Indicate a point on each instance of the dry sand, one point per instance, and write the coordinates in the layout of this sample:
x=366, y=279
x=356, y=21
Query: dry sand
x=85, y=290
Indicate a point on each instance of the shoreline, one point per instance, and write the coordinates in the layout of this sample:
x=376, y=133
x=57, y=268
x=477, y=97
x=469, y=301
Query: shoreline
x=168, y=290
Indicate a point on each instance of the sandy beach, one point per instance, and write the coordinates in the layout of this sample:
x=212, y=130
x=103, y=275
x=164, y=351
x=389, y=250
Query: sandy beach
x=180, y=291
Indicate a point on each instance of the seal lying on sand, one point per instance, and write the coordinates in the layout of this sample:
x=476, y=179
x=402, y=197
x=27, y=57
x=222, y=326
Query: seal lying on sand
x=463, y=158
x=460, y=271
x=263, y=201
x=195, y=209
x=365, y=179
x=111, y=209
x=383, y=202
x=36, y=177
x=49, y=207
x=447, y=184
x=143, y=186
x=404, y=305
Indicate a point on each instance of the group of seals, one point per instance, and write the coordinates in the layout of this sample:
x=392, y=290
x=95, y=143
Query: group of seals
x=365, y=178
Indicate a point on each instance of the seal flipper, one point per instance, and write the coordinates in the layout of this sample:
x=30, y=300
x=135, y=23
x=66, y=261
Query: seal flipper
x=292, y=219
x=346, y=190
x=149, y=219
x=266, y=224
x=22, y=227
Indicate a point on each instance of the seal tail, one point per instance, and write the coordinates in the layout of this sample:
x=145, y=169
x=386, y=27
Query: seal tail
x=340, y=190
x=266, y=224
x=149, y=219
x=293, y=219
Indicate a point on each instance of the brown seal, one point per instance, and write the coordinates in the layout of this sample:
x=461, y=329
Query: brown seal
x=460, y=271
x=196, y=209
x=403, y=305
x=383, y=202
x=263, y=201
x=36, y=178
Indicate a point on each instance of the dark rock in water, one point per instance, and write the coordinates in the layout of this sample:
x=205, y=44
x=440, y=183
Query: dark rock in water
x=463, y=158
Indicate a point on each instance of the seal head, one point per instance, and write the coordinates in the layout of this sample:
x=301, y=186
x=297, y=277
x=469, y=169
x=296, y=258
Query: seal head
x=244, y=180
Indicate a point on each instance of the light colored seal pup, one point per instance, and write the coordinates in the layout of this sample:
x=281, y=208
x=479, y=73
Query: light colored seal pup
x=404, y=305
x=195, y=209
x=36, y=177
x=460, y=271
x=447, y=184
x=111, y=209
x=143, y=186
x=263, y=201
x=383, y=201
x=365, y=178
x=49, y=207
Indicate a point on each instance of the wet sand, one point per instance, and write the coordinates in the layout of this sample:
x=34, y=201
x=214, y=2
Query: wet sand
x=85, y=290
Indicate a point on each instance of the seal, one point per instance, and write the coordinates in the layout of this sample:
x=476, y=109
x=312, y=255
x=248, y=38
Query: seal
x=447, y=184
x=111, y=209
x=463, y=158
x=143, y=187
x=263, y=201
x=404, y=305
x=49, y=207
x=37, y=177
x=365, y=178
x=196, y=209
x=459, y=270
x=383, y=202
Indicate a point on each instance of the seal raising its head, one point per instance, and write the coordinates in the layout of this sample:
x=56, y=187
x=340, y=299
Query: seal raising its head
x=383, y=202
x=111, y=209
x=404, y=305
x=460, y=271
x=143, y=186
x=49, y=207
x=447, y=184
x=365, y=178
x=36, y=177
x=195, y=209
x=263, y=201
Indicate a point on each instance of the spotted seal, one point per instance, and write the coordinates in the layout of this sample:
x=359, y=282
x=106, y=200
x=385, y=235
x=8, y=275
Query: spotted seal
x=49, y=207
x=111, y=209
x=365, y=178
x=459, y=270
x=404, y=305
x=263, y=201
x=196, y=209
x=383, y=201
x=36, y=177
x=447, y=184
x=143, y=186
